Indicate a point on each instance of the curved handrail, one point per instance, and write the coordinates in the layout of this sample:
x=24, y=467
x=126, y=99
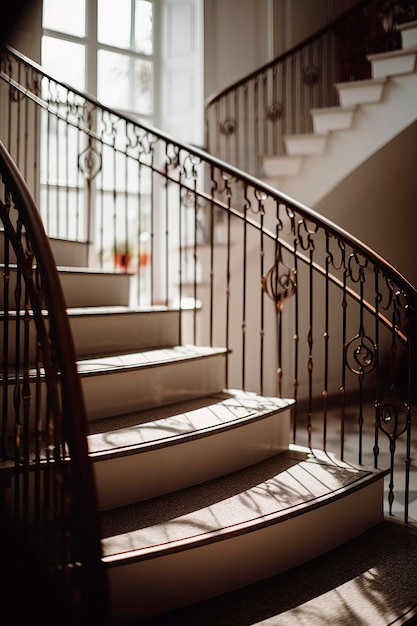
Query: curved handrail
x=218, y=235
x=57, y=355
x=237, y=174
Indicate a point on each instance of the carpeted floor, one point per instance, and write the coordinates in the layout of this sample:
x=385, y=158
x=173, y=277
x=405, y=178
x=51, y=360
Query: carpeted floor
x=370, y=581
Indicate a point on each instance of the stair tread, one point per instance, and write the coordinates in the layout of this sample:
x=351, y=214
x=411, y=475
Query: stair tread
x=117, y=309
x=392, y=53
x=145, y=358
x=365, y=82
x=280, y=487
x=334, y=109
x=176, y=422
x=308, y=136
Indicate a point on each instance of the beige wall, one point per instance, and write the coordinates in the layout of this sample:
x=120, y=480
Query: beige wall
x=26, y=36
x=296, y=20
x=378, y=203
x=237, y=40
x=242, y=35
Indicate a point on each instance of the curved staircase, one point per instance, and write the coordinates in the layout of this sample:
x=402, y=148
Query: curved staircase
x=200, y=491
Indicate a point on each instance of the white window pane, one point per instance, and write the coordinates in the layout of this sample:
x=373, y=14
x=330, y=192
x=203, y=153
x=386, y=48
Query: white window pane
x=124, y=83
x=113, y=22
x=143, y=84
x=143, y=27
x=113, y=79
x=64, y=16
x=64, y=61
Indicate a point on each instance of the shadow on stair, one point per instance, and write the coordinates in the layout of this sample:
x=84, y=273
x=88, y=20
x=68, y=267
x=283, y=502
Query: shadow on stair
x=369, y=581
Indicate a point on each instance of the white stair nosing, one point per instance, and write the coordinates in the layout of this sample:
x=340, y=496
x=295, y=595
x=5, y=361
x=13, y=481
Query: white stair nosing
x=392, y=54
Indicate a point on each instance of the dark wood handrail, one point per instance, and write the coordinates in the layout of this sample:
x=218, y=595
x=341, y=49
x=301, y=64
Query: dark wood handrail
x=95, y=598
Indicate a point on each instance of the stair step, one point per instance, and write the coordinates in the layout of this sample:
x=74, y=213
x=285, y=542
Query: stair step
x=275, y=167
x=117, y=329
x=140, y=380
x=305, y=144
x=82, y=287
x=393, y=63
x=408, y=34
x=106, y=330
x=202, y=439
x=332, y=589
x=69, y=253
x=356, y=92
x=94, y=287
x=209, y=539
x=327, y=119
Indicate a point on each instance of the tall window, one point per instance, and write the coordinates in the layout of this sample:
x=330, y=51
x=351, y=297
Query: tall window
x=104, y=47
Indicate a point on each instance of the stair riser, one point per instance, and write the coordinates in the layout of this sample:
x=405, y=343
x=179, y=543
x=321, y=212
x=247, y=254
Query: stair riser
x=163, y=583
x=95, y=289
x=95, y=335
x=66, y=253
x=327, y=122
x=142, y=388
x=131, y=390
x=408, y=35
x=69, y=253
x=305, y=146
x=194, y=461
x=119, y=333
x=84, y=289
x=404, y=64
x=350, y=95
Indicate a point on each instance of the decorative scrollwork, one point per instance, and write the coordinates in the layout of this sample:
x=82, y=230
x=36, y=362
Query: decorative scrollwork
x=172, y=156
x=189, y=166
x=360, y=355
x=393, y=416
x=305, y=234
x=191, y=200
x=274, y=112
x=89, y=162
x=280, y=282
x=355, y=267
x=228, y=127
x=312, y=76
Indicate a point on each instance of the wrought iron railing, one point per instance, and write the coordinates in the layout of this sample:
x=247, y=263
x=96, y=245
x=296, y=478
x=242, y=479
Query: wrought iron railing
x=47, y=493
x=304, y=309
x=250, y=118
